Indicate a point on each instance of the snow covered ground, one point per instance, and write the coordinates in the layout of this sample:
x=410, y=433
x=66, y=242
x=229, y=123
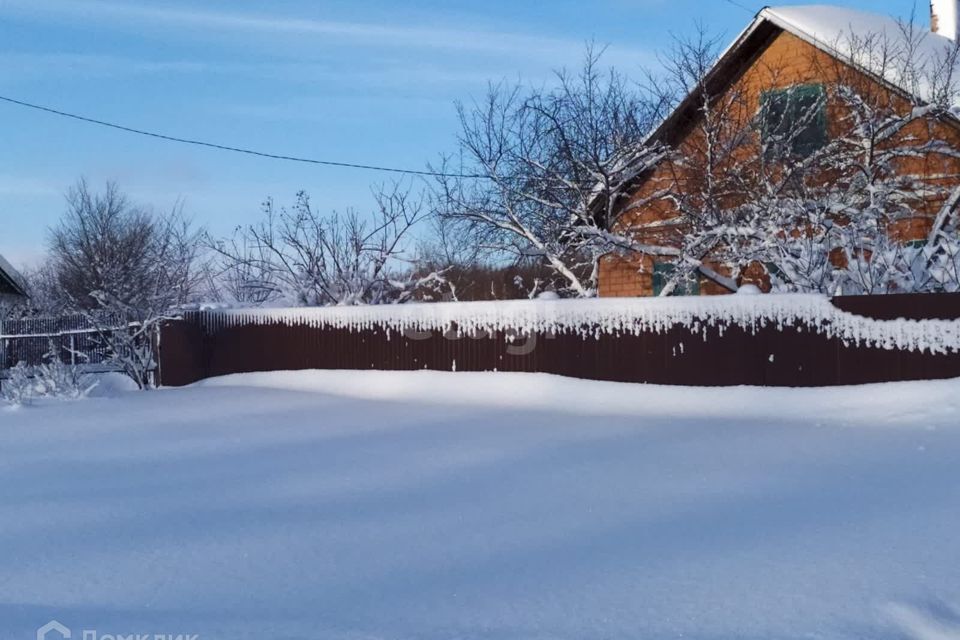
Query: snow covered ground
x=368, y=505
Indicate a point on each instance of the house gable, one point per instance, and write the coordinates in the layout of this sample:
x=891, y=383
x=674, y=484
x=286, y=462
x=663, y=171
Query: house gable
x=769, y=55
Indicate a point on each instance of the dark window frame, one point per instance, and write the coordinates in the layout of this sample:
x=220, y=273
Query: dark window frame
x=663, y=271
x=779, y=108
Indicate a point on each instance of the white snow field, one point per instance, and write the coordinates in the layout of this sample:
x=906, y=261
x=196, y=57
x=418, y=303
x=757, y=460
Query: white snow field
x=364, y=505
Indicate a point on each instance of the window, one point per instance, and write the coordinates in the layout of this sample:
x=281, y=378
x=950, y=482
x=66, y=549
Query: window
x=663, y=272
x=793, y=121
x=775, y=271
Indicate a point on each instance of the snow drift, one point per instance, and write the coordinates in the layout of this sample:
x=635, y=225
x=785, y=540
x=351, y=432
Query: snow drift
x=378, y=505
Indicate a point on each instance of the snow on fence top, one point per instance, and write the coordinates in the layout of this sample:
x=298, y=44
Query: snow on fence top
x=594, y=317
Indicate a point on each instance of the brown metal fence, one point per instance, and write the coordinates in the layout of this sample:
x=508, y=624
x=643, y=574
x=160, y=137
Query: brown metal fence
x=202, y=345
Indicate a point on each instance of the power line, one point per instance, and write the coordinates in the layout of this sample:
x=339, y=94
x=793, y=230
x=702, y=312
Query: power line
x=741, y=6
x=222, y=147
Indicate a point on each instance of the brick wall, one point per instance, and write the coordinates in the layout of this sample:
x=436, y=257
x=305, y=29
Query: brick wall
x=624, y=277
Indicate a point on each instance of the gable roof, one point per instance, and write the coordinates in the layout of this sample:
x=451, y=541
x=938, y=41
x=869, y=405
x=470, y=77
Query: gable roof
x=835, y=31
x=10, y=280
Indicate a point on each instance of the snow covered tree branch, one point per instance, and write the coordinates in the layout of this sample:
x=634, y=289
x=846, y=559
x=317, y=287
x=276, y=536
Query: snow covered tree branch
x=125, y=268
x=301, y=256
x=551, y=169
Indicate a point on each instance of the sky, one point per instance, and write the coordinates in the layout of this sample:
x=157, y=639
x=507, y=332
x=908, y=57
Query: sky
x=361, y=81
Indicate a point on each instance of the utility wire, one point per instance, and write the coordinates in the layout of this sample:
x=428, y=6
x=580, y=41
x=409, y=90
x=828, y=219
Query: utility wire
x=741, y=6
x=251, y=152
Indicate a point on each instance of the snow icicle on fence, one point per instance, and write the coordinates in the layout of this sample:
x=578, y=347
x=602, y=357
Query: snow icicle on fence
x=591, y=318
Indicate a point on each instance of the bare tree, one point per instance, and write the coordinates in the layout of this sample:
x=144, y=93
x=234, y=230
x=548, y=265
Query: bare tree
x=242, y=276
x=548, y=170
x=310, y=259
x=42, y=297
x=123, y=267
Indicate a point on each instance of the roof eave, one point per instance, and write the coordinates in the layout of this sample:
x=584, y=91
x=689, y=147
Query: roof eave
x=721, y=62
x=12, y=277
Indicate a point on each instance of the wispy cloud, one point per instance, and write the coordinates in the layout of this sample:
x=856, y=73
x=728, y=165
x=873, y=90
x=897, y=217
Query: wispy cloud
x=384, y=74
x=13, y=64
x=381, y=35
x=19, y=186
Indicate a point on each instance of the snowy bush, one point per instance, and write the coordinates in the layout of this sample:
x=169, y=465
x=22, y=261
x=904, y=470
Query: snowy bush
x=52, y=379
x=17, y=387
x=945, y=262
x=55, y=378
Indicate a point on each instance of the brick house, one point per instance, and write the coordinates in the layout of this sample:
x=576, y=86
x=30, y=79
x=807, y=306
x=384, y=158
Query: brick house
x=797, y=50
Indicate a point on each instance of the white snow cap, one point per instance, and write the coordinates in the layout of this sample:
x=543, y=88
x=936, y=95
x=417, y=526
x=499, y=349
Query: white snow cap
x=943, y=18
x=595, y=317
x=837, y=29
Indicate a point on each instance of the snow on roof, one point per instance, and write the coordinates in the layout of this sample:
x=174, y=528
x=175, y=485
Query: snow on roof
x=828, y=23
x=839, y=31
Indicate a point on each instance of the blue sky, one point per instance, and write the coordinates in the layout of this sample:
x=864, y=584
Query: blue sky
x=349, y=80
